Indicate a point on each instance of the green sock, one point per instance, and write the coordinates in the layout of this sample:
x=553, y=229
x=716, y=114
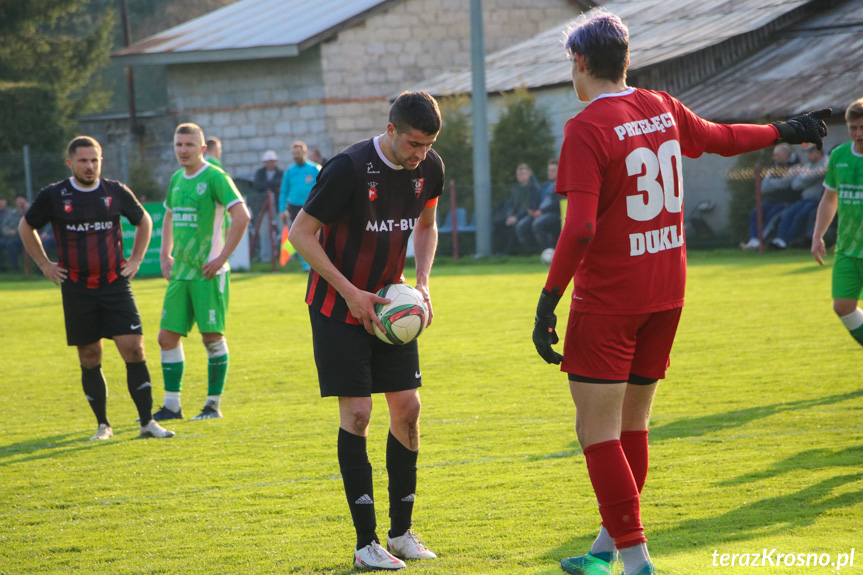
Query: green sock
x=173, y=365
x=858, y=334
x=217, y=370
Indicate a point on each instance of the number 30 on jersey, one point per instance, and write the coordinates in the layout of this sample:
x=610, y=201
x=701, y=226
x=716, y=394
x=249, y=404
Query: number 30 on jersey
x=647, y=165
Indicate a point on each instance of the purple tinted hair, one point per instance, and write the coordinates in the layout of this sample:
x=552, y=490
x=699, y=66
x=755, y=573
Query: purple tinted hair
x=603, y=39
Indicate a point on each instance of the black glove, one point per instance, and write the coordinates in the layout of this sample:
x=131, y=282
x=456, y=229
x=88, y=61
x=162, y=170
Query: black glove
x=807, y=127
x=544, y=335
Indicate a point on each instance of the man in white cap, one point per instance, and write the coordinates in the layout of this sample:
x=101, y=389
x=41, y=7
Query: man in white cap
x=269, y=178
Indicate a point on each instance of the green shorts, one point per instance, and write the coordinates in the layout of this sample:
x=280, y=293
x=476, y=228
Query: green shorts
x=847, y=277
x=200, y=301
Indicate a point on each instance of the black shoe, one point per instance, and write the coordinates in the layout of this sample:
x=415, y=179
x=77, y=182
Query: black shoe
x=165, y=413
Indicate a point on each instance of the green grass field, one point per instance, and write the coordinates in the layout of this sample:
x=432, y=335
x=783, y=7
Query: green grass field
x=756, y=440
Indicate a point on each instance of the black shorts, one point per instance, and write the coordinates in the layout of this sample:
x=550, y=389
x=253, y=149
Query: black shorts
x=352, y=363
x=93, y=314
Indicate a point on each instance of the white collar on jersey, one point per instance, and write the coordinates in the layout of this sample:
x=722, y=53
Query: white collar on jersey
x=80, y=189
x=384, y=158
x=198, y=173
x=626, y=92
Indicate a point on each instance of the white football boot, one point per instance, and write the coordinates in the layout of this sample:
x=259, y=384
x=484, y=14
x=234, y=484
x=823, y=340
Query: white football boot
x=376, y=558
x=104, y=432
x=409, y=546
x=153, y=429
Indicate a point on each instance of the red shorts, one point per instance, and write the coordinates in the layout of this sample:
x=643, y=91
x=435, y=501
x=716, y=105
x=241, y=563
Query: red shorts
x=611, y=347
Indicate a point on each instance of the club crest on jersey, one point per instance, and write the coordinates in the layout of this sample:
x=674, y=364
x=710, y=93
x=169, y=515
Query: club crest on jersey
x=373, y=191
x=202, y=188
x=418, y=185
x=107, y=200
x=67, y=206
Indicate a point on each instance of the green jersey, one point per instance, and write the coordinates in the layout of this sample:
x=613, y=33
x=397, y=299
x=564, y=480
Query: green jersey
x=845, y=177
x=198, y=204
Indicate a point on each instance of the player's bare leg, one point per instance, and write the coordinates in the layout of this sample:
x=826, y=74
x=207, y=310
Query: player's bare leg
x=403, y=445
x=851, y=317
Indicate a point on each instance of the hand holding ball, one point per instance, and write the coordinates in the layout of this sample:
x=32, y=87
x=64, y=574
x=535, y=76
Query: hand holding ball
x=404, y=318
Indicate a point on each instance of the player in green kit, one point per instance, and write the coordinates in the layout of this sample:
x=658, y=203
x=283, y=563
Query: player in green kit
x=194, y=257
x=843, y=192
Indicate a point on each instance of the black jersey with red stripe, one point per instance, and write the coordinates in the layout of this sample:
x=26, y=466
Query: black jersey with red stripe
x=369, y=208
x=86, y=225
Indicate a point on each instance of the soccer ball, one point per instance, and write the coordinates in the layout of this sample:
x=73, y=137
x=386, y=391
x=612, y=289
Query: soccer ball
x=546, y=256
x=404, y=318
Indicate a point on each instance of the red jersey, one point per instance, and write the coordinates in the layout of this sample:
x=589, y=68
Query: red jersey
x=626, y=149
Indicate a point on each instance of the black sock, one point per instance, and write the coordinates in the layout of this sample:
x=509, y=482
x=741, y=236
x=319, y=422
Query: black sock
x=402, y=471
x=357, y=476
x=138, y=380
x=96, y=391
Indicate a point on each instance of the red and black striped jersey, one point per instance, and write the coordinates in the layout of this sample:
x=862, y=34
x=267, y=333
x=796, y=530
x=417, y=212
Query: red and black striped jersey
x=86, y=224
x=369, y=208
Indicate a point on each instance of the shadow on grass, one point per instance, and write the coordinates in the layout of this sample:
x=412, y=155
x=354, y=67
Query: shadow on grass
x=46, y=447
x=809, y=459
x=698, y=426
x=774, y=516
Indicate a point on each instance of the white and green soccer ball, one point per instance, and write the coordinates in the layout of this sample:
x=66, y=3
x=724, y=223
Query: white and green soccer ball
x=404, y=318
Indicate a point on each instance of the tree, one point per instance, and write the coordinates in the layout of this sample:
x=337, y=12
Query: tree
x=53, y=49
x=523, y=135
x=455, y=146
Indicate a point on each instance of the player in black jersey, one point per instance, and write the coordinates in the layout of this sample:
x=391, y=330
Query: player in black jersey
x=84, y=212
x=366, y=203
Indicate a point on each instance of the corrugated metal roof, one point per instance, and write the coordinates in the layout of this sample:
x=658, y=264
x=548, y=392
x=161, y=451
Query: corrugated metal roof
x=659, y=30
x=249, y=29
x=814, y=65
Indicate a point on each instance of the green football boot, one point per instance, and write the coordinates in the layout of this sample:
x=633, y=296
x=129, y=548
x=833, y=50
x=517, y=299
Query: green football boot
x=589, y=564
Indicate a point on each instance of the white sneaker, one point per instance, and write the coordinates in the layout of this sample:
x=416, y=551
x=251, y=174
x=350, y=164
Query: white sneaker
x=153, y=429
x=752, y=244
x=104, y=432
x=375, y=557
x=409, y=546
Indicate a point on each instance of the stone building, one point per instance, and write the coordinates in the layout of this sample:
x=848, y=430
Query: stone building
x=260, y=74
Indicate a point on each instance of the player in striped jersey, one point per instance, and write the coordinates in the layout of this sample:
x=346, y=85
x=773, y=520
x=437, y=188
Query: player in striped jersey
x=353, y=230
x=84, y=212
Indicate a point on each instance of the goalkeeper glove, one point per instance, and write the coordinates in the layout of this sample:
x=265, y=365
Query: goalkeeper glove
x=802, y=128
x=544, y=335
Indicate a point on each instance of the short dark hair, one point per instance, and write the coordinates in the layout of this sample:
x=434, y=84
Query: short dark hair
x=82, y=142
x=603, y=40
x=415, y=111
x=854, y=111
x=214, y=141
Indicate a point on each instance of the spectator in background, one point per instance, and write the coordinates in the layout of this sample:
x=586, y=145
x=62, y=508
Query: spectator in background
x=546, y=223
x=9, y=218
x=777, y=193
x=214, y=151
x=297, y=184
x=808, y=179
x=523, y=200
x=268, y=178
x=316, y=157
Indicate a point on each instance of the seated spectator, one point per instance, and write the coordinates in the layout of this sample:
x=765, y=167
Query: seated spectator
x=809, y=181
x=546, y=223
x=523, y=200
x=9, y=239
x=776, y=192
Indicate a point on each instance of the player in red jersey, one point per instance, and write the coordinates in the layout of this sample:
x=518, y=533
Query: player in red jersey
x=622, y=243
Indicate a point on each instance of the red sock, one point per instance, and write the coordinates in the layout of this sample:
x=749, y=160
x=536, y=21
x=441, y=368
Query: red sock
x=616, y=492
x=634, y=445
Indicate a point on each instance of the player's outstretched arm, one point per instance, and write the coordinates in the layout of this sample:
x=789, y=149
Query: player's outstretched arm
x=240, y=219
x=303, y=235
x=804, y=128
x=33, y=244
x=826, y=211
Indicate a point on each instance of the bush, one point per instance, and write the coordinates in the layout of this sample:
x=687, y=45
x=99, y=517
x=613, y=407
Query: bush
x=142, y=182
x=455, y=145
x=29, y=114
